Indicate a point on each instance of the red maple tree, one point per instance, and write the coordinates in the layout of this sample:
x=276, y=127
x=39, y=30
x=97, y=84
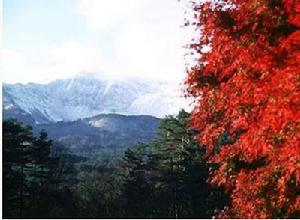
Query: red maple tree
x=248, y=86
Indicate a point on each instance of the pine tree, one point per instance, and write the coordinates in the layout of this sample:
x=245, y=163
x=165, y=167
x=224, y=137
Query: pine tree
x=36, y=182
x=41, y=158
x=40, y=184
x=137, y=191
x=16, y=164
x=186, y=170
x=167, y=178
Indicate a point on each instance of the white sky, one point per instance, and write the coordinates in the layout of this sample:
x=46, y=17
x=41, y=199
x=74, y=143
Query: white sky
x=50, y=39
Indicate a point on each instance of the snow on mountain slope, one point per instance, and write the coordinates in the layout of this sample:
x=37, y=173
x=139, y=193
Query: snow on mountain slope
x=167, y=99
x=86, y=96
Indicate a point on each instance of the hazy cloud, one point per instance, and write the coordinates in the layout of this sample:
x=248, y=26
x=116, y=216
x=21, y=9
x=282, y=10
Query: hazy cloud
x=128, y=38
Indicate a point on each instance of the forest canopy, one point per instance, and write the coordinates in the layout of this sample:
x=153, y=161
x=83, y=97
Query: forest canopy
x=166, y=178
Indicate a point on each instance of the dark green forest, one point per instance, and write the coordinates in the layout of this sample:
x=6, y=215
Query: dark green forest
x=165, y=178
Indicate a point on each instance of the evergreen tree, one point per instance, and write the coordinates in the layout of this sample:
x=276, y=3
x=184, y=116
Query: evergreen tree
x=40, y=176
x=41, y=158
x=137, y=191
x=28, y=167
x=16, y=164
x=167, y=178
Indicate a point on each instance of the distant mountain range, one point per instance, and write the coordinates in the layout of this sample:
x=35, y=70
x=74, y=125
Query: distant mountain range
x=86, y=96
x=86, y=114
x=102, y=133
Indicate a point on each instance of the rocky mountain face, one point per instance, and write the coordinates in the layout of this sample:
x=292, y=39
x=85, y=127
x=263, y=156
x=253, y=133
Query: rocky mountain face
x=11, y=110
x=82, y=97
x=89, y=115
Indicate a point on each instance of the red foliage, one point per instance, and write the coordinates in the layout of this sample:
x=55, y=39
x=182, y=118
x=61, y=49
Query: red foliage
x=248, y=84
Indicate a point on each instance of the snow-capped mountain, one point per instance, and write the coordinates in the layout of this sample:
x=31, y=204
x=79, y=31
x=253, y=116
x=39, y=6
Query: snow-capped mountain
x=86, y=96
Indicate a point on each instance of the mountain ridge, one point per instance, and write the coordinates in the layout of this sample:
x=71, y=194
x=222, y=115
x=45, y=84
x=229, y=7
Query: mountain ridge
x=86, y=96
x=104, y=131
x=98, y=134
